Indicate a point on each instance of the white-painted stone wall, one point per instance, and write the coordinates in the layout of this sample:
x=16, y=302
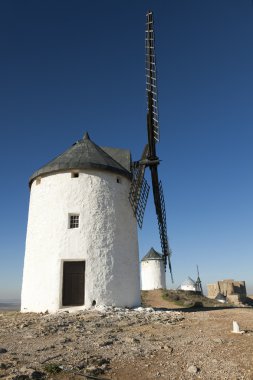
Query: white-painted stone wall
x=188, y=288
x=106, y=239
x=152, y=274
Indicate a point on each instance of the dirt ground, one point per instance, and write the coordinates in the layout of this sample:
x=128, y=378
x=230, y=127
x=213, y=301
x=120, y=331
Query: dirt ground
x=203, y=346
x=118, y=345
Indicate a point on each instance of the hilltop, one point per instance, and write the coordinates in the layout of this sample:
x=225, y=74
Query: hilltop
x=168, y=342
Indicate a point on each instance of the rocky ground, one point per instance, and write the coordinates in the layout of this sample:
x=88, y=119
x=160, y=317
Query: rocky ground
x=120, y=344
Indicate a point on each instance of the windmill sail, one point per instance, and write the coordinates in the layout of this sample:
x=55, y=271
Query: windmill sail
x=151, y=82
x=161, y=216
x=139, y=194
x=198, y=282
x=139, y=189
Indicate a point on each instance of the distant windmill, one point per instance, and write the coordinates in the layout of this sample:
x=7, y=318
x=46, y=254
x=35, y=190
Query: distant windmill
x=140, y=188
x=198, y=282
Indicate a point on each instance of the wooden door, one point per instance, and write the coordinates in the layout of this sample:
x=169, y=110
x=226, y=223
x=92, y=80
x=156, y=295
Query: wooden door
x=73, y=283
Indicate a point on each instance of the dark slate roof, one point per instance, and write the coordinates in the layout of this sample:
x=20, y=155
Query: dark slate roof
x=152, y=255
x=85, y=154
x=122, y=156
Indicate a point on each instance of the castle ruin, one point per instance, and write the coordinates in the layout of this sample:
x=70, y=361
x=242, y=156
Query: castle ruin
x=234, y=291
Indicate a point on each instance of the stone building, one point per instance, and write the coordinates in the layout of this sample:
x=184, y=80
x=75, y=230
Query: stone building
x=82, y=244
x=152, y=271
x=234, y=291
x=189, y=285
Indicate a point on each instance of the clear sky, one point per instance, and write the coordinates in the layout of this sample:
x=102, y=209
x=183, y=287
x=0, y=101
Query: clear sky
x=72, y=66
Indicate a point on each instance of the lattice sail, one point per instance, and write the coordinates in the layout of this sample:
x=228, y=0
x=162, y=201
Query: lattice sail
x=151, y=81
x=140, y=188
x=163, y=230
x=139, y=194
x=162, y=222
x=161, y=216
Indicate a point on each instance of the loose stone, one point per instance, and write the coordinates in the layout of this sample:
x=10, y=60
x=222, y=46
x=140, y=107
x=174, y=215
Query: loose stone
x=193, y=369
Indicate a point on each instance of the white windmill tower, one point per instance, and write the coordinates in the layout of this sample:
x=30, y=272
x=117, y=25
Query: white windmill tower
x=81, y=246
x=152, y=271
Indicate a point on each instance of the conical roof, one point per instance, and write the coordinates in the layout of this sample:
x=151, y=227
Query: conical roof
x=85, y=154
x=152, y=255
x=220, y=297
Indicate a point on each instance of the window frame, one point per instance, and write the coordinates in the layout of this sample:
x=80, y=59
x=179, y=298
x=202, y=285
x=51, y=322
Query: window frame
x=73, y=221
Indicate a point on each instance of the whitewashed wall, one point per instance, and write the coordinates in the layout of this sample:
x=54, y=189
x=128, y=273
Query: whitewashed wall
x=152, y=274
x=106, y=240
x=188, y=287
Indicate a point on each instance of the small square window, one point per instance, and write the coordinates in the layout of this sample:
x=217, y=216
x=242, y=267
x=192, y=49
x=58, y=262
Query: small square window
x=73, y=221
x=118, y=180
x=74, y=175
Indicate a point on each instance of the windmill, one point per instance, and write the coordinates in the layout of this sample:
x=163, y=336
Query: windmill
x=139, y=188
x=198, y=282
x=76, y=216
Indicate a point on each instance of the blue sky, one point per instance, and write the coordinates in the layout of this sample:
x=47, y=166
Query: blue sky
x=72, y=66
